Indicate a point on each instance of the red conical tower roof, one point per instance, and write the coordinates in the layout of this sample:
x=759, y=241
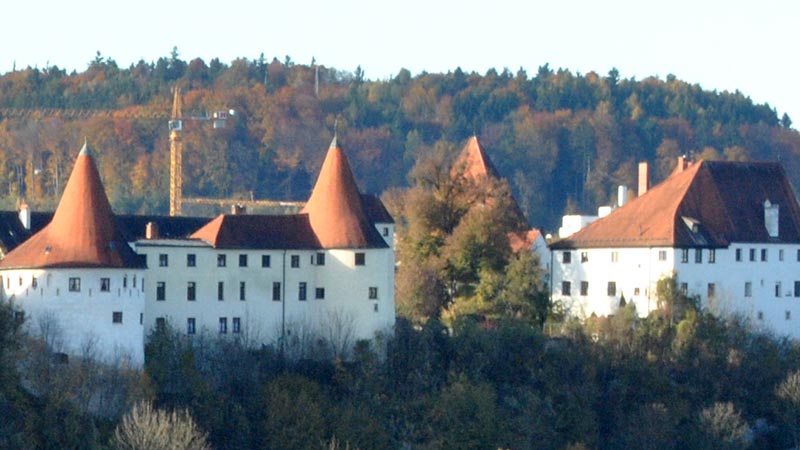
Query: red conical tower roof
x=83, y=231
x=334, y=208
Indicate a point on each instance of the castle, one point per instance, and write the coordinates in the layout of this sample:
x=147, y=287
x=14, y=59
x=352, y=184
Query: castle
x=327, y=271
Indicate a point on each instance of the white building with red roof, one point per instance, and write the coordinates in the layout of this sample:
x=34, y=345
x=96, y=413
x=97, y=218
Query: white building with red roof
x=325, y=275
x=728, y=231
x=77, y=280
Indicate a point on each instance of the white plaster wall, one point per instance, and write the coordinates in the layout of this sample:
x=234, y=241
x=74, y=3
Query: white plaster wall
x=84, y=318
x=635, y=272
x=729, y=277
x=346, y=290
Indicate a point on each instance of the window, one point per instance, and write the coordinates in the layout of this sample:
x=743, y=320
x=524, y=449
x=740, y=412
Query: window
x=612, y=288
x=74, y=284
x=798, y=254
x=797, y=288
x=373, y=293
x=684, y=287
x=684, y=255
x=636, y=291
x=276, y=291
x=105, y=284
x=584, y=257
x=361, y=259
x=295, y=261
x=19, y=317
x=266, y=261
x=748, y=289
x=777, y=289
x=190, y=326
x=222, y=261
x=763, y=254
x=191, y=261
x=566, y=287
x=584, y=288
x=125, y=281
x=319, y=293
x=320, y=259
x=738, y=254
x=237, y=325
x=566, y=257
x=614, y=257
x=223, y=325
x=780, y=255
x=788, y=315
x=34, y=282
x=161, y=290
x=220, y=290
x=116, y=317
x=190, y=291
x=760, y=315
x=712, y=290
x=160, y=323
x=242, y=291
x=753, y=254
x=134, y=281
x=662, y=255
x=301, y=291
x=242, y=260
x=163, y=260
x=698, y=255
x=712, y=256
x=375, y=307
x=385, y=231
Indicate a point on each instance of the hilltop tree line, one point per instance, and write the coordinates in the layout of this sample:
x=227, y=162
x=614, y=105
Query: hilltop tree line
x=679, y=379
x=563, y=140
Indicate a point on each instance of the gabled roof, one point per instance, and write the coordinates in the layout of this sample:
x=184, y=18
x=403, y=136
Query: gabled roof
x=375, y=209
x=83, y=231
x=335, y=210
x=259, y=232
x=709, y=204
x=473, y=163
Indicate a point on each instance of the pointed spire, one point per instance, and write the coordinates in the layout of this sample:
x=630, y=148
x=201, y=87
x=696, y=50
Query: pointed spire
x=83, y=231
x=85, y=149
x=335, y=210
x=473, y=162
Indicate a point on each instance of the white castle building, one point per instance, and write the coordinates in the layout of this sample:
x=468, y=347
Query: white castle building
x=728, y=231
x=326, y=272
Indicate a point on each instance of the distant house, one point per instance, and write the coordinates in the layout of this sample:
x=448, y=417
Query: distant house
x=104, y=282
x=728, y=231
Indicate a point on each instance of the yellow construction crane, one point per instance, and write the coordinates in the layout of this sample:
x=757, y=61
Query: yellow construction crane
x=176, y=198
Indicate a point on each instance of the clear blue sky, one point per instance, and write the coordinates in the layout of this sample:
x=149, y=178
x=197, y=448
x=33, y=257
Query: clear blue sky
x=724, y=45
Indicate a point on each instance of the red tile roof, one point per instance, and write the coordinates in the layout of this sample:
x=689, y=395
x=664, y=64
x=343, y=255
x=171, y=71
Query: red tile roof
x=259, y=232
x=335, y=210
x=83, y=231
x=723, y=200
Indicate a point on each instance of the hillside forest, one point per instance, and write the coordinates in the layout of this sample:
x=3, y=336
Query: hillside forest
x=564, y=141
x=479, y=358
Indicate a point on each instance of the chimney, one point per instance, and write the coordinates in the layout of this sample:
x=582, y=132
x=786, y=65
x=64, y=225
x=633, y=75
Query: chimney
x=683, y=163
x=25, y=216
x=622, y=195
x=644, y=178
x=151, y=231
x=771, y=215
x=238, y=209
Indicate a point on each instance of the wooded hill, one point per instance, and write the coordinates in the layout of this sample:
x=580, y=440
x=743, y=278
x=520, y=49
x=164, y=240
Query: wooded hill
x=563, y=140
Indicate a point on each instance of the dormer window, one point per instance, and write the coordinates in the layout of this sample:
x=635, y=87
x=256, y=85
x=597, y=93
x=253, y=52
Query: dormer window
x=771, y=216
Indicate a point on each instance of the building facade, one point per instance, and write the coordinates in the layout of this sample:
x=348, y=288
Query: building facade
x=325, y=274
x=729, y=233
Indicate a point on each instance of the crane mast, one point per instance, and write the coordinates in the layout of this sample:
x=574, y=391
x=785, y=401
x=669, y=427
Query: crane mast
x=176, y=155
